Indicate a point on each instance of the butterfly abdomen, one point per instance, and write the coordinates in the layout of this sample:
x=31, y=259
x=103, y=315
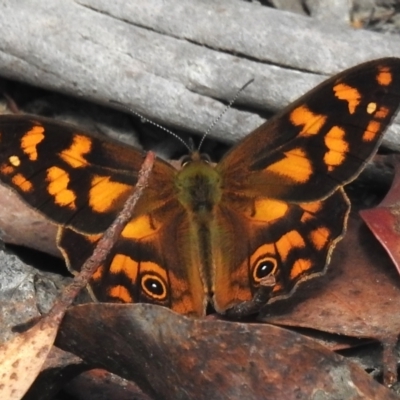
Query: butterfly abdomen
x=200, y=192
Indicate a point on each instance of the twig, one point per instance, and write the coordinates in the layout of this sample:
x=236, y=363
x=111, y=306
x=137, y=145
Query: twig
x=106, y=242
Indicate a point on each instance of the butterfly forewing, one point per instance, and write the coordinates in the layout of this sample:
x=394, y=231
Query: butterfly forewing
x=75, y=179
x=321, y=141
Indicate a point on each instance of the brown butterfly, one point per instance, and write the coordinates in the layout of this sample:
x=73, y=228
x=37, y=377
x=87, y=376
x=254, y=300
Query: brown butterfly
x=273, y=207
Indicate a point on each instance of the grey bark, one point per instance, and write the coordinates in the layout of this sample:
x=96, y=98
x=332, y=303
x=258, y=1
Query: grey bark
x=179, y=61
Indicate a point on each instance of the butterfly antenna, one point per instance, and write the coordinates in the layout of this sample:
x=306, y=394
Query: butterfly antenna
x=152, y=123
x=223, y=112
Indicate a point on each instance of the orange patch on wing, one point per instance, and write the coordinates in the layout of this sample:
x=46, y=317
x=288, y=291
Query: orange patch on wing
x=312, y=123
x=384, y=76
x=125, y=265
x=295, y=166
x=30, y=141
x=277, y=288
x=187, y=295
x=233, y=290
x=120, y=293
x=382, y=113
x=371, y=131
x=289, y=241
x=93, y=238
x=152, y=267
x=306, y=217
x=58, y=181
x=349, y=94
x=6, y=169
x=269, y=210
x=103, y=193
x=98, y=274
x=299, y=267
x=74, y=155
x=320, y=237
x=139, y=228
x=313, y=207
x=310, y=209
x=20, y=181
x=338, y=147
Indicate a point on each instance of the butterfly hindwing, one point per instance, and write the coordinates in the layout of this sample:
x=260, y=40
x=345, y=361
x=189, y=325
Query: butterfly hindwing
x=293, y=242
x=149, y=263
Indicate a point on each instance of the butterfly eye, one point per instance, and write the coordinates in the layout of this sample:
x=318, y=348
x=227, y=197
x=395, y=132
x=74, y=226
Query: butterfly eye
x=264, y=267
x=206, y=158
x=185, y=160
x=154, y=287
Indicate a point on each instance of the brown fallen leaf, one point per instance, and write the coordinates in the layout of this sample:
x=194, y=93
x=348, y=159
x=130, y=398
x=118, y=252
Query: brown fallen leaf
x=171, y=356
x=384, y=219
x=359, y=296
x=99, y=384
x=22, y=357
x=59, y=368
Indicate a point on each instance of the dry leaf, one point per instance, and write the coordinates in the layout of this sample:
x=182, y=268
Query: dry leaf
x=22, y=357
x=99, y=384
x=384, y=220
x=171, y=356
x=59, y=368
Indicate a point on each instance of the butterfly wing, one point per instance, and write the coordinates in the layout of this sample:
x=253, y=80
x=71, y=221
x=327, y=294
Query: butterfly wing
x=147, y=264
x=282, y=185
x=76, y=179
x=81, y=182
x=291, y=241
x=321, y=141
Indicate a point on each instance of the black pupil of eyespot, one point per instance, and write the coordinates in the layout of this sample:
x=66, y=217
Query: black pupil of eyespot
x=154, y=286
x=264, y=269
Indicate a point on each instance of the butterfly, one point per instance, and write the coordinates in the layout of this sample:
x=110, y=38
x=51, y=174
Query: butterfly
x=274, y=206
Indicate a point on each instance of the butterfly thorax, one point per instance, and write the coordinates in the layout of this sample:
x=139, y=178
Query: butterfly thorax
x=199, y=187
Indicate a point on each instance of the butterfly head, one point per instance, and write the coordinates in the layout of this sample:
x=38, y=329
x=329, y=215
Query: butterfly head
x=195, y=157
